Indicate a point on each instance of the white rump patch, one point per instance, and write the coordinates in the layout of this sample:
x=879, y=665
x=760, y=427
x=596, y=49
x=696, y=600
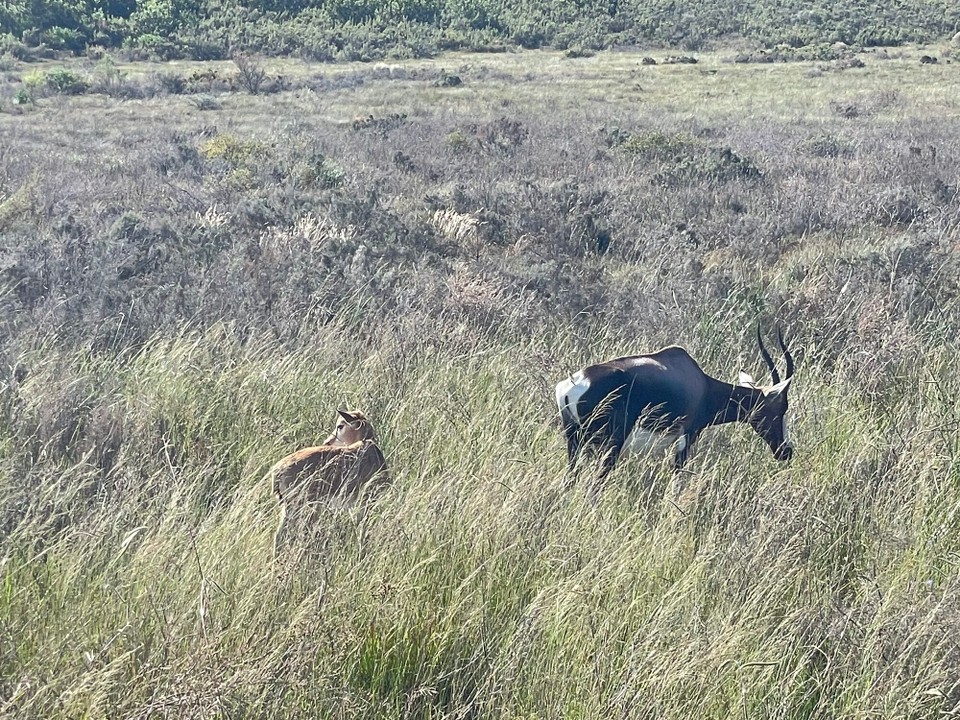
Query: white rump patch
x=569, y=392
x=649, y=442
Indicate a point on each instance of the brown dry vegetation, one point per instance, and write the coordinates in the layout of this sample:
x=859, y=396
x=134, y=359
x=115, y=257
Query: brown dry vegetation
x=177, y=267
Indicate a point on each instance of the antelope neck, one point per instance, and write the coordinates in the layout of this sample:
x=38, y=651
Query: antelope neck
x=732, y=403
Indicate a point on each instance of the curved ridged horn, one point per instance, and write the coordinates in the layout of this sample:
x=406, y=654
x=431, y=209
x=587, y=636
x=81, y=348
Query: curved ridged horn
x=786, y=353
x=767, y=359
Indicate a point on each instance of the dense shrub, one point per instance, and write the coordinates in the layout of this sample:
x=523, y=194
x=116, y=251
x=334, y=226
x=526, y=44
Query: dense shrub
x=59, y=81
x=233, y=151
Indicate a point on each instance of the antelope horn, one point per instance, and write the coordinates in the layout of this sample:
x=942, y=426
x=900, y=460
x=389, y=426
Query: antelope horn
x=786, y=353
x=767, y=359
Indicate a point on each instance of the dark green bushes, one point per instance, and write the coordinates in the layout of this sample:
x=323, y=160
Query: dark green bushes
x=366, y=30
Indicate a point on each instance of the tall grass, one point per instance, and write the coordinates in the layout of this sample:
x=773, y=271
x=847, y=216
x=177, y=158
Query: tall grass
x=478, y=585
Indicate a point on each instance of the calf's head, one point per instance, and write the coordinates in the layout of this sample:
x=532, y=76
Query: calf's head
x=352, y=426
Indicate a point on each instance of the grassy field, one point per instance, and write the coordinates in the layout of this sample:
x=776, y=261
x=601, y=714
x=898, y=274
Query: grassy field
x=192, y=279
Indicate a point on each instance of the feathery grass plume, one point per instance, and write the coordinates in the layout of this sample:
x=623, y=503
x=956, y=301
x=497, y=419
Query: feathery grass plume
x=461, y=229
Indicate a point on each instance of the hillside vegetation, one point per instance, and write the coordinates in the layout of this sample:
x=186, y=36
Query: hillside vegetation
x=365, y=29
x=193, y=277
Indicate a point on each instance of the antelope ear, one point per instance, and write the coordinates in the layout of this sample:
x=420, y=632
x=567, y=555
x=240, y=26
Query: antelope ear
x=745, y=379
x=779, y=389
x=346, y=415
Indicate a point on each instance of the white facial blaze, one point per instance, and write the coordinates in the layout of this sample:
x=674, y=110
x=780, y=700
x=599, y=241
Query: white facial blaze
x=647, y=442
x=569, y=391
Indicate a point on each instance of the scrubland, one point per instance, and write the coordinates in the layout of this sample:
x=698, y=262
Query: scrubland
x=193, y=277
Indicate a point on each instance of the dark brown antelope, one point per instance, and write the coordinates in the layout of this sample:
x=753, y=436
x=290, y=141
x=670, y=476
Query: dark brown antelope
x=663, y=401
x=335, y=472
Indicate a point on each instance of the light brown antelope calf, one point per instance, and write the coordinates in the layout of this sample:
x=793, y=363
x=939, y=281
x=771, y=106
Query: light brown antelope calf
x=334, y=473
